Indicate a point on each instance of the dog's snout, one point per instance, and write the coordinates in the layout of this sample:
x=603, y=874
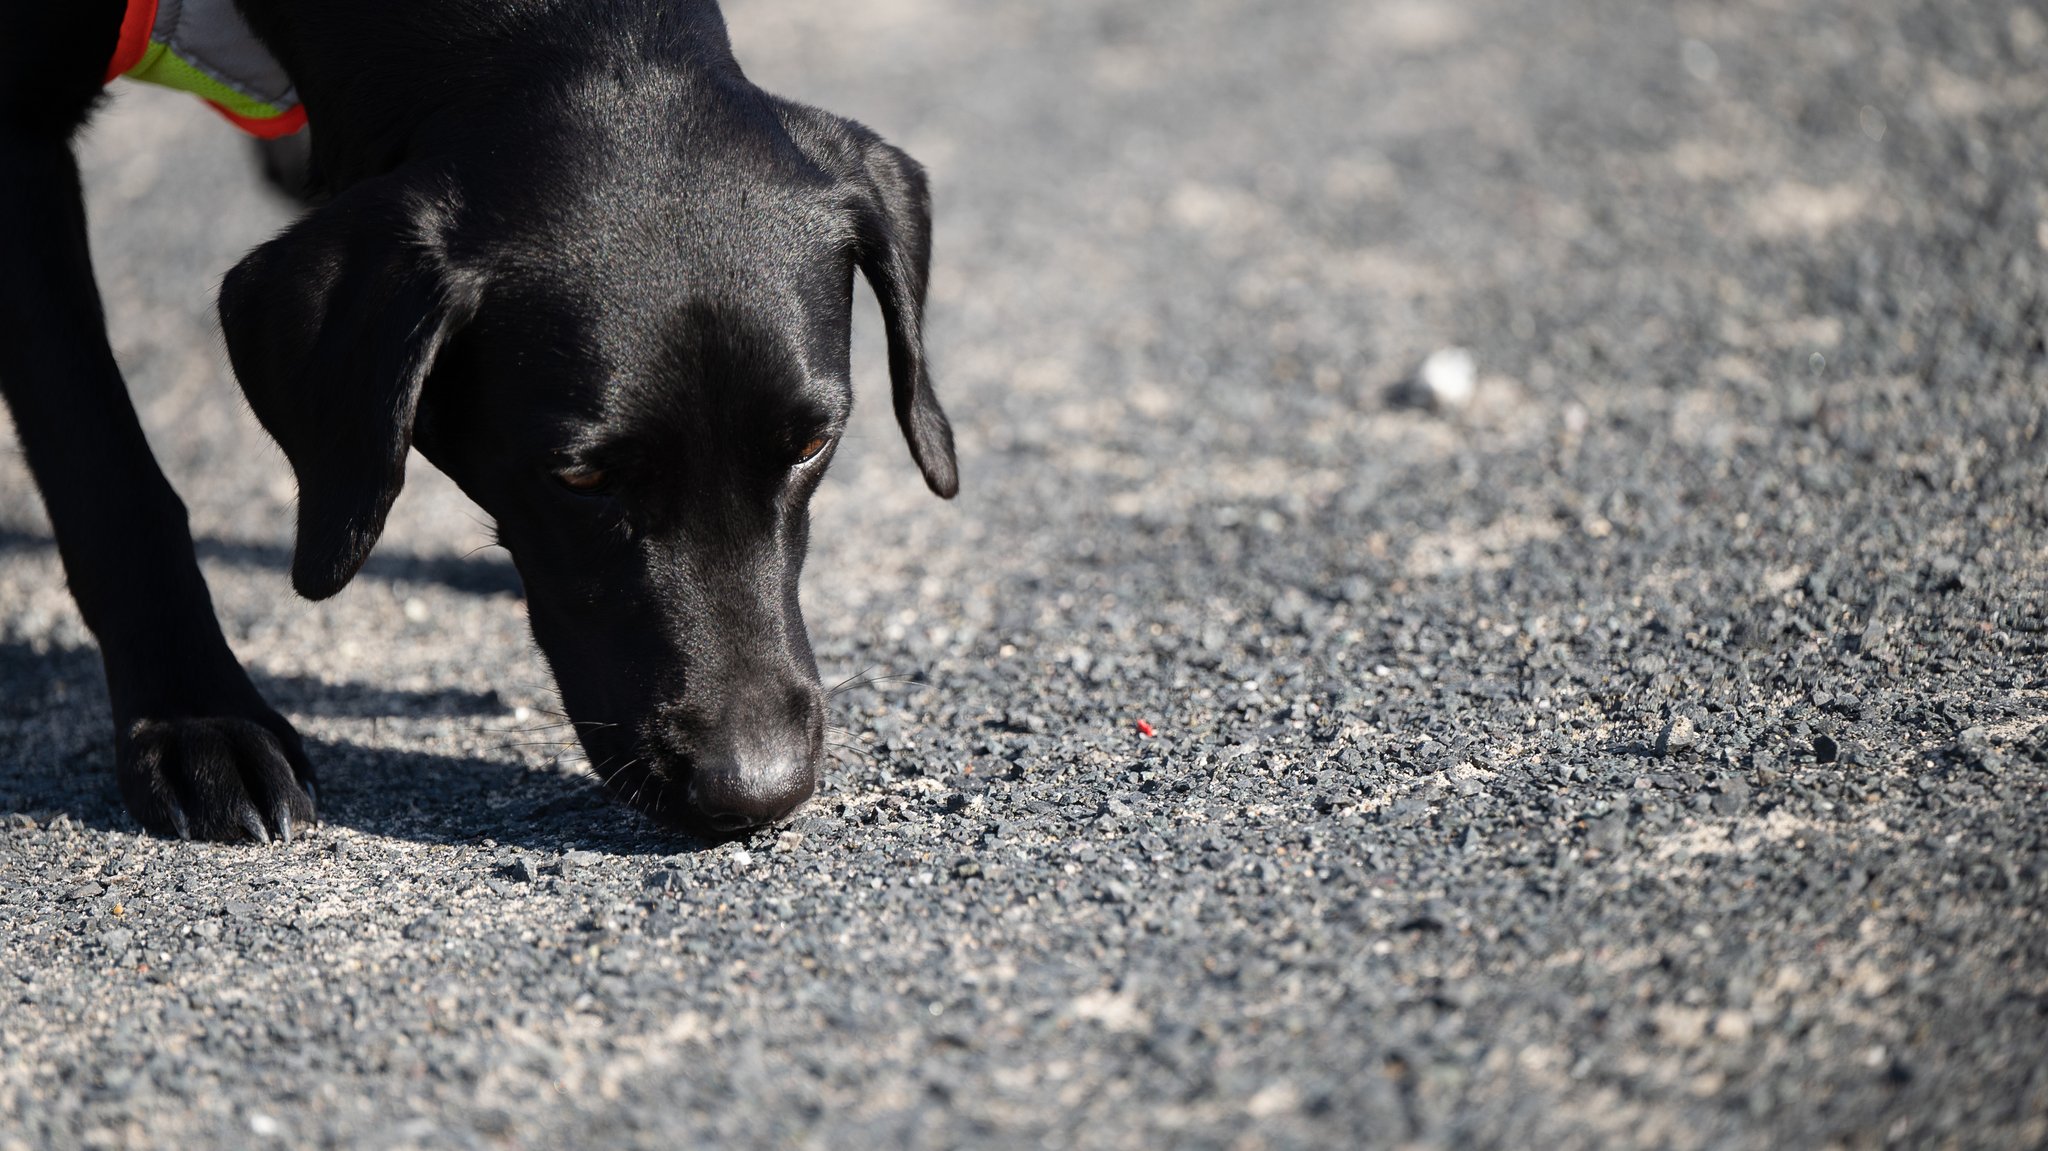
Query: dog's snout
x=738, y=792
x=752, y=763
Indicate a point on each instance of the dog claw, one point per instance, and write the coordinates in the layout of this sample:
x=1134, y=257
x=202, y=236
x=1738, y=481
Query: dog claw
x=223, y=778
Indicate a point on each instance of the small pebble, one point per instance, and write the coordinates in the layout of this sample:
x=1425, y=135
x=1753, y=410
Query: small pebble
x=1678, y=736
x=1448, y=378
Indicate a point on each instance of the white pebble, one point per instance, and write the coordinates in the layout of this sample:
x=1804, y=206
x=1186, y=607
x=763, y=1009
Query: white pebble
x=1701, y=60
x=1449, y=377
x=416, y=610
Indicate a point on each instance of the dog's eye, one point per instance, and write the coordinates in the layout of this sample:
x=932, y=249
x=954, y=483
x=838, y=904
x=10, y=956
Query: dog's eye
x=583, y=481
x=810, y=450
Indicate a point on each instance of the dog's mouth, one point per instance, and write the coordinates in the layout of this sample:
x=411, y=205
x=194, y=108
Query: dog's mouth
x=642, y=786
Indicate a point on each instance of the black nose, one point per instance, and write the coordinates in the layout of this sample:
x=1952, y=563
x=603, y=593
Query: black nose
x=736, y=792
x=750, y=751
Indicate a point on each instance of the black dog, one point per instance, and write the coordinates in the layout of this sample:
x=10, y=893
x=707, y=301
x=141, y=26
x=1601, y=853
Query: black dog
x=583, y=265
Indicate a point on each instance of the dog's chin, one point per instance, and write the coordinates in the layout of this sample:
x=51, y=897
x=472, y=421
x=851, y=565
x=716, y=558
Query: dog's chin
x=661, y=792
x=651, y=792
x=668, y=806
x=658, y=792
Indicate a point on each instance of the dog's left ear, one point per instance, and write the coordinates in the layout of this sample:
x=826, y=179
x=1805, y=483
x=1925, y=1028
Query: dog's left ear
x=894, y=215
x=892, y=208
x=332, y=328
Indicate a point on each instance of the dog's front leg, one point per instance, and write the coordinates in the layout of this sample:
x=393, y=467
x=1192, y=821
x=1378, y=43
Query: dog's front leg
x=197, y=750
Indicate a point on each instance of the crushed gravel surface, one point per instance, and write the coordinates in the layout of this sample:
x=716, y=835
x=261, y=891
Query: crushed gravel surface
x=1648, y=750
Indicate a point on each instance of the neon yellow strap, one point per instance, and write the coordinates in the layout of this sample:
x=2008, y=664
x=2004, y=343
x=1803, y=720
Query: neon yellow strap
x=160, y=65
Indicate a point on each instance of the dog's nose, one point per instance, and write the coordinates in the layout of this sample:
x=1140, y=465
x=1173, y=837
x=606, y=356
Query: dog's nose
x=751, y=752
x=734, y=793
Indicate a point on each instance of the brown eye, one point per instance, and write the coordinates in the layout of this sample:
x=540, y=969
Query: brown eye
x=581, y=480
x=811, y=450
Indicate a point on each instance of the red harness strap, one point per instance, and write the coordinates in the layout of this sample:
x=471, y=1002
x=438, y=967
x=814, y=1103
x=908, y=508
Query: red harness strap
x=293, y=119
x=134, y=41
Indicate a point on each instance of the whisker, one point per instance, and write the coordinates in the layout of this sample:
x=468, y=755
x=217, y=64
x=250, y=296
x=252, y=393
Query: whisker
x=868, y=678
x=584, y=724
x=864, y=679
x=844, y=684
x=638, y=788
x=533, y=730
x=859, y=753
x=621, y=769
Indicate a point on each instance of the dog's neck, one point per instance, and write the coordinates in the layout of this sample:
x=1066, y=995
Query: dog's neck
x=386, y=81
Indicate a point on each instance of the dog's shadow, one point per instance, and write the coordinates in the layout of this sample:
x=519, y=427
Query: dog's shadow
x=58, y=759
x=57, y=750
x=472, y=574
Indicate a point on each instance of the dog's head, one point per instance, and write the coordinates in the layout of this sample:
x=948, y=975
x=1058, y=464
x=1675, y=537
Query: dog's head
x=629, y=343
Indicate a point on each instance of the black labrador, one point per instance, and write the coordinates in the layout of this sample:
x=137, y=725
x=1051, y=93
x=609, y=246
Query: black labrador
x=573, y=256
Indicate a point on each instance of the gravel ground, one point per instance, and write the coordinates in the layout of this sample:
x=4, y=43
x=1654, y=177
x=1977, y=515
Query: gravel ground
x=1637, y=737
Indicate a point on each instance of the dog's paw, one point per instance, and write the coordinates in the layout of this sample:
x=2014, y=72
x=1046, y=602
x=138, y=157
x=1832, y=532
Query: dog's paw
x=217, y=777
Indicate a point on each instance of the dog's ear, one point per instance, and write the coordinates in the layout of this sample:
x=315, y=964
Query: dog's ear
x=894, y=221
x=332, y=328
x=893, y=248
